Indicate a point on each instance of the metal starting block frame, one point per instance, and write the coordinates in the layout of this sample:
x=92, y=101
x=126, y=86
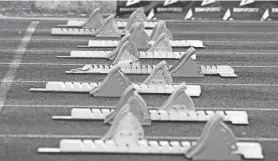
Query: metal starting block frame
x=143, y=55
x=126, y=135
x=119, y=23
x=223, y=71
x=78, y=87
x=115, y=43
x=250, y=150
x=234, y=117
x=84, y=32
x=185, y=67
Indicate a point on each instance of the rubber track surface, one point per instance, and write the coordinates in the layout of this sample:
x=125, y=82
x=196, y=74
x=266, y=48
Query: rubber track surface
x=241, y=45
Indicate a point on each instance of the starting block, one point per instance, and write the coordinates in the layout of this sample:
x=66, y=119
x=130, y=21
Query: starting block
x=126, y=135
x=143, y=39
x=186, y=67
x=95, y=20
x=179, y=107
x=159, y=50
x=158, y=82
x=108, y=29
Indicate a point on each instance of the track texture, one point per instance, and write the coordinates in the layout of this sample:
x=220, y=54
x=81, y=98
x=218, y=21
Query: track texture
x=25, y=122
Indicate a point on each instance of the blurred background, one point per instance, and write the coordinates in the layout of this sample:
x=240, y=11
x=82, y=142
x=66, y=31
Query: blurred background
x=167, y=9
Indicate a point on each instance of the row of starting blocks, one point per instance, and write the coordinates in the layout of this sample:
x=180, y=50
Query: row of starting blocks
x=109, y=29
x=179, y=107
x=131, y=113
x=159, y=49
x=126, y=134
x=96, y=20
x=159, y=82
x=185, y=67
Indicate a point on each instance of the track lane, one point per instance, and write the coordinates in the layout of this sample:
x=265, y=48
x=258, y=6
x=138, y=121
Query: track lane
x=202, y=58
x=259, y=97
x=24, y=148
x=43, y=72
x=223, y=96
x=38, y=121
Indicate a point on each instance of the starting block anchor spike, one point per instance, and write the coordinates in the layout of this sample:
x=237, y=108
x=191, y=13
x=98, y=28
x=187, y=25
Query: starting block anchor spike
x=136, y=105
x=186, y=67
x=94, y=21
x=113, y=85
x=179, y=100
x=109, y=28
x=160, y=28
x=162, y=44
x=217, y=142
x=127, y=53
x=139, y=37
x=159, y=75
x=126, y=130
x=115, y=52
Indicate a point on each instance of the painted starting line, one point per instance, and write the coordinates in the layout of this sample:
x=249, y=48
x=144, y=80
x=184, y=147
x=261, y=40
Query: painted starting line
x=38, y=136
x=112, y=107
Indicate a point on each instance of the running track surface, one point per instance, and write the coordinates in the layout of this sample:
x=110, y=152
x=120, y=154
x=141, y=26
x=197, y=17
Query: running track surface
x=25, y=122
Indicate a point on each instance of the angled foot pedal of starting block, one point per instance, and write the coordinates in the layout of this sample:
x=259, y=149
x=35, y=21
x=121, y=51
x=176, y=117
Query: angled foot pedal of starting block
x=113, y=85
x=127, y=54
x=162, y=44
x=133, y=102
x=186, y=67
x=160, y=28
x=139, y=37
x=94, y=21
x=126, y=135
x=217, y=142
x=136, y=16
x=108, y=29
x=116, y=51
x=138, y=13
x=159, y=75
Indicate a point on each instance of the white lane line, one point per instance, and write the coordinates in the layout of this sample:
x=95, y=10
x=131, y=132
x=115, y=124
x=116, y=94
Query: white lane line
x=252, y=66
x=48, y=64
x=46, y=51
x=40, y=136
x=236, y=84
x=9, y=77
x=103, y=106
x=245, y=42
x=74, y=64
